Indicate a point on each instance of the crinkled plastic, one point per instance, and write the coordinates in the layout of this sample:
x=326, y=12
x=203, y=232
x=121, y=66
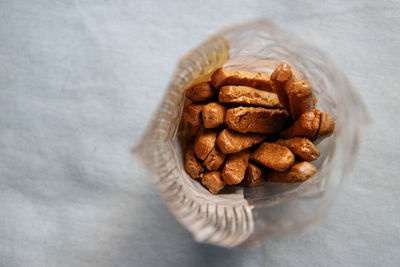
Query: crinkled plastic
x=250, y=215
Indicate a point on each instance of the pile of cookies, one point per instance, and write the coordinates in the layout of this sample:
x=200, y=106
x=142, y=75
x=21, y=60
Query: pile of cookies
x=246, y=128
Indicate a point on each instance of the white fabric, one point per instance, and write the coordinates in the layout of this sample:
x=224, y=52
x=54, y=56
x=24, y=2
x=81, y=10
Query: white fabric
x=79, y=80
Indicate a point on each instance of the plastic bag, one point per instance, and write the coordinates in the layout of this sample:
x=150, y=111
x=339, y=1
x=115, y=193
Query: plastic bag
x=250, y=215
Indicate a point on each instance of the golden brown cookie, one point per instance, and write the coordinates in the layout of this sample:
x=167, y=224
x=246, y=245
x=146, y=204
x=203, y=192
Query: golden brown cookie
x=214, y=160
x=273, y=156
x=279, y=78
x=193, y=165
x=231, y=142
x=299, y=172
x=201, y=92
x=194, y=130
x=240, y=77
x=301, y=98
x=248, y=95
x=301, y=147
x=326, y=127
x=306, y=125
x=192, y=114
x=204, y=143
x=256, y=120
x=235, y=167
x=213, y=115
x=254, y=176
x=213, y=182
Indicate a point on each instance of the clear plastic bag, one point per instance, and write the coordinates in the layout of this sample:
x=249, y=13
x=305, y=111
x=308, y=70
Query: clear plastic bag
x=250, y=215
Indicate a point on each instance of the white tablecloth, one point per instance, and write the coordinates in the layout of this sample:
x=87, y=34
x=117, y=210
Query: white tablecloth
x=79, y=80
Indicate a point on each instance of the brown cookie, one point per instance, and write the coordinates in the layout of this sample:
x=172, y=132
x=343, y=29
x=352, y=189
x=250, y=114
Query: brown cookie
x=214, y=160
x=306, y=125
x=256, y=120
x=213, y=182
x=240, y=77
x=273, y=156
x=213, y=115
x=248, y=95
x=231, y=142
x=204, y=143
x=301, y=147
x=299, y=172
x=194, y=130
x=192, y=114
x=235, y=167
x=301, y=98
x=193, y=165
x=326, y=127
x=279, y=78
x=254, y=176
x=201, y=92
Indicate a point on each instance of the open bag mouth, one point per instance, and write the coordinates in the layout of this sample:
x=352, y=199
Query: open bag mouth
x=248, y=216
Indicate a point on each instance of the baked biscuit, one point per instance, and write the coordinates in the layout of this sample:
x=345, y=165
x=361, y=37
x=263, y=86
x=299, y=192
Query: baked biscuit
x=301, y=99
x=256, y=120
x=194, y=130
x=204, y=143
x=213, y=182
x=301, y=147
x=248, y=95
x=192, y=114
x=279, y=78
x=253, y=176
x=213, y=115
x=193, y=165
x=214, y=160
x=240, y=77
x=306, y=125
x=326, y=127
x=298, y=173
x=273, y=156
x=201, y=92
x=235, y=167
x=231, y=142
